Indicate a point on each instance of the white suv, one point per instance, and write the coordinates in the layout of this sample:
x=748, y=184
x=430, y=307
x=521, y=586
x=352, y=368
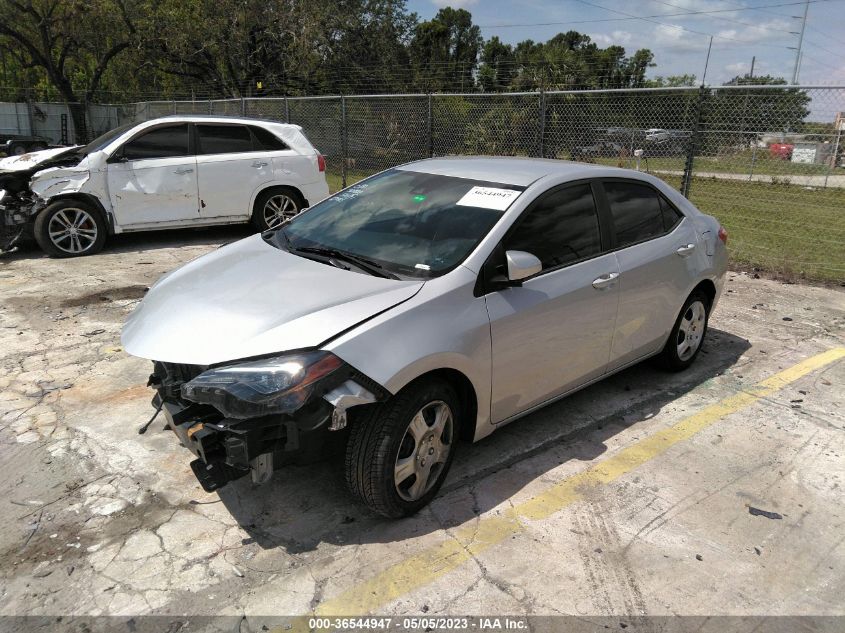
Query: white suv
x=176, y=171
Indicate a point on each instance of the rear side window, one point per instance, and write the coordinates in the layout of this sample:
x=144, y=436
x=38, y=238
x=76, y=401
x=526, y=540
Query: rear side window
x=636, y=210
x=563, y=227
x=671, y=216
x=267, y=141
x=223, y=139
x=162, y=142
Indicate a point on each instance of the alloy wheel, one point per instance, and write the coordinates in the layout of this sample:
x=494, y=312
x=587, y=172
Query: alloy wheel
x=691, y=330
x=73, y=230
x=278, y=209
x=424, y=450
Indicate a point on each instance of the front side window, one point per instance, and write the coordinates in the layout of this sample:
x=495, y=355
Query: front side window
x=413, y=224
x=561, y=228
x=162, y=142
x=223, y=139
x=636, y=212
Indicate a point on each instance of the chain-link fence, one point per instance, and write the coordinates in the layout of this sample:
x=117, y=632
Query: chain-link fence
x=768, y=161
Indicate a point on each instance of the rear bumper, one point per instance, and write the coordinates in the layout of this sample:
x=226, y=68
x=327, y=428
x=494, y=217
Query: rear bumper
x=314, y=192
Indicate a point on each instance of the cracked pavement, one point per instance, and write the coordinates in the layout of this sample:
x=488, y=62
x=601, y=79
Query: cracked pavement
x=97, y=519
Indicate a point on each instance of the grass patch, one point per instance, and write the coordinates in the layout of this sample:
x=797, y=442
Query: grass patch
x=335, y=179
x=793, y=231
x=743, y=163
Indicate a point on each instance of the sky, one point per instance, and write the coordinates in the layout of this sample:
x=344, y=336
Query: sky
x=679, y=42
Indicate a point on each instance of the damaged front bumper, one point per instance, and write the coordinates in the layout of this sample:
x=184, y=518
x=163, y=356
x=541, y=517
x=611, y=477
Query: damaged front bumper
x=228, y=448
x=16, y=214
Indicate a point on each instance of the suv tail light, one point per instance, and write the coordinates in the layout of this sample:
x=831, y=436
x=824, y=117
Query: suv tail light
x=321, y=162
x=723, y=235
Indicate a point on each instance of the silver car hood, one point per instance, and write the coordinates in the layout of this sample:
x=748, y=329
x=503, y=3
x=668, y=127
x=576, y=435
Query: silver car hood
x=248, y=299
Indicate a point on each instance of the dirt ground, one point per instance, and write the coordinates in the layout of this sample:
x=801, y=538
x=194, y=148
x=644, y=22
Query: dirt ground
x=718, y=491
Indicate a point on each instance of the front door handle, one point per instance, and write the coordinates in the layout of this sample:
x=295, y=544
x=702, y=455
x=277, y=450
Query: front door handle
x=258, y=164
x=605, y=281
x=184, y=171
x=685, y=250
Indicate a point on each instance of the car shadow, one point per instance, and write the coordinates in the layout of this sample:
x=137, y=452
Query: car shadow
x=304, y=506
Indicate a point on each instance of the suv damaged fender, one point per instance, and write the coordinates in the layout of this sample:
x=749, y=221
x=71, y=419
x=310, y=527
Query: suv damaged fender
x=27, y=181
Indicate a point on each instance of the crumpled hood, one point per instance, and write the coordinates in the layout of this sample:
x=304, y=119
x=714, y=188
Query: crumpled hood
x=248, y=299
x=32, y=159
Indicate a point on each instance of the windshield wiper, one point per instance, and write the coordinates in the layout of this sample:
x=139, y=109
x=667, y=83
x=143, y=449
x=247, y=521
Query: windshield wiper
x=372, y=267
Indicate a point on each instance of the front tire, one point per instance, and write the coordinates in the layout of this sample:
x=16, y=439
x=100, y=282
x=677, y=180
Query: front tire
x=399, y=452
x=69, y=228
x=275, y=206
x=687, y=334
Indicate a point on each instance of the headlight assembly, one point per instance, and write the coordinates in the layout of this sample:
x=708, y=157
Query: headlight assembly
x=281, y=384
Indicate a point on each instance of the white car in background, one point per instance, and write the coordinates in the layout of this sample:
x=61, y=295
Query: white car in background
x=171, y=172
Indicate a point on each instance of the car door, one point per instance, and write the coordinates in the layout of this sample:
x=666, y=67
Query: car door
x=553, y=333
x=655, y=247
x=152, y=178
x=231, y=169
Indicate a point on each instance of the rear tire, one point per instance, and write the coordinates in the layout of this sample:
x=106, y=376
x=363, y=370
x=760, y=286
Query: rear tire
x=687, y=334
x=400, y=451
x=70, y=228
x=274, y=206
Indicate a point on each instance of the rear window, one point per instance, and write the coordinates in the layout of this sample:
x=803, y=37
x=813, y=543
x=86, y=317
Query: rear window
x=636, y=210
x=223, y=139
x=266, y=141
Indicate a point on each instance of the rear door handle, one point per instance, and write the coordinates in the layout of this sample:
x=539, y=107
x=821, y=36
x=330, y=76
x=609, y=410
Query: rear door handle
x=258, y=164
x=605, y=281
x=183, y=171
x=685, y=250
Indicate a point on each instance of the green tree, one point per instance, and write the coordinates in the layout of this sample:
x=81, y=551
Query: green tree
x=444, y=51
x=72, y=43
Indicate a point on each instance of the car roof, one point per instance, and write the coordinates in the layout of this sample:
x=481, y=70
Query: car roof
x=218, y=118
x=515, y=170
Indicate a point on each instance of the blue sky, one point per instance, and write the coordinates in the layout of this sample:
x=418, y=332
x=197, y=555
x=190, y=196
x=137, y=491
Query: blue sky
x=679, y=43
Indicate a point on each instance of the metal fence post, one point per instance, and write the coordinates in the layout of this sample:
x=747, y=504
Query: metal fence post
x=693, y=146
x=430, y=124
x=542, y=126
x=343, y=140
x=243, y=106
x=287, y=110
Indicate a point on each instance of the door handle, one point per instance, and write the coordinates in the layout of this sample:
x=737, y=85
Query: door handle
x=258, y=164
x=605, y=281
x=183, y=171
x=685, y=250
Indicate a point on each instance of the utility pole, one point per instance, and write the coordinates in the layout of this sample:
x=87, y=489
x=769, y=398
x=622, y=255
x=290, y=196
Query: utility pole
x=751, y=73
x=800, y=43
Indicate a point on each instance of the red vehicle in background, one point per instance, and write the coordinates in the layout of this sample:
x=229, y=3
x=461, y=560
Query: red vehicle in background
x=781, y=151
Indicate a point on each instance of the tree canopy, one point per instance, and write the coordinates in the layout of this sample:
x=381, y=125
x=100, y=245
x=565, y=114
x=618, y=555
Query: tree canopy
x=133, y=49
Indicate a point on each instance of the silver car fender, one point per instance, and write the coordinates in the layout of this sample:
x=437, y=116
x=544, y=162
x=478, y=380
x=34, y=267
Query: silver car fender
x=410, y=340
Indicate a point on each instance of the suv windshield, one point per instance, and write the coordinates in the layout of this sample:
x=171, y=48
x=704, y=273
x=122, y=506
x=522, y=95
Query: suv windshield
x=410, y=223
x=104, y=139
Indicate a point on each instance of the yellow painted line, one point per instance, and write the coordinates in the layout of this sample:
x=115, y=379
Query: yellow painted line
x=473, y=538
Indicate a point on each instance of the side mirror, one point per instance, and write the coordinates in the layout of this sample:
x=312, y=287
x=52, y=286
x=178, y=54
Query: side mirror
x=522, y=265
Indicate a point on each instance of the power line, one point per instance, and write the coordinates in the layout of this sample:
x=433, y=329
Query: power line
x=648, y=17
x=682, y=28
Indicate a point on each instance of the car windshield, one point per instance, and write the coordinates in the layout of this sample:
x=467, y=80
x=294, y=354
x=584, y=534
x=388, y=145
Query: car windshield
x=104, y=139
x=410, y=223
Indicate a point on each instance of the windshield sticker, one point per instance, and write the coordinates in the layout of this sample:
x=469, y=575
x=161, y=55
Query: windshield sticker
x=422, y=266
x=489, y=198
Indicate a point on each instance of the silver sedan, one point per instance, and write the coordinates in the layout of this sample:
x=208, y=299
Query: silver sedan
x=435, y=301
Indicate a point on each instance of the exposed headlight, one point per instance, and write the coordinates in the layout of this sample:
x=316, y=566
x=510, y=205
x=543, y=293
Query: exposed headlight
x=281, y=384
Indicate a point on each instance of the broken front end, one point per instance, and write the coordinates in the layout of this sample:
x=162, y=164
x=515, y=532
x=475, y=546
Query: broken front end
x=251, y=417
x=18, y=206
